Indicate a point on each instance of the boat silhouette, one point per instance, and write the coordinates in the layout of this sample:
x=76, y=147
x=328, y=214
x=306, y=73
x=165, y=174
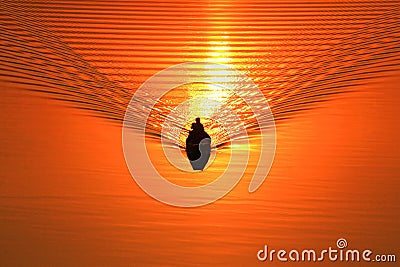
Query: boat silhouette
x=198, y=146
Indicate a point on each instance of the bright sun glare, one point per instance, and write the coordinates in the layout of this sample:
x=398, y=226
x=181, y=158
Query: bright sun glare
x=219, y=50
x=207, y=100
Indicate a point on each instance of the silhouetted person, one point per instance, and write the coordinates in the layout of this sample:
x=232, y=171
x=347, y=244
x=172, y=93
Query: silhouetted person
x=197, y=151
x=198, y=126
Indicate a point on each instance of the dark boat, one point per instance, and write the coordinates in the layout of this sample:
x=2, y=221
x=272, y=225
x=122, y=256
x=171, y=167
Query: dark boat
x=198, y=146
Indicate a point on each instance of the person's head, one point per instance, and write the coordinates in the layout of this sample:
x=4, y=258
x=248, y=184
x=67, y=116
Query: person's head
x=197, y=120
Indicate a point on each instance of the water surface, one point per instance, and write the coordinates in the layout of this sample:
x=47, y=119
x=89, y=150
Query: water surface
x=329, y=70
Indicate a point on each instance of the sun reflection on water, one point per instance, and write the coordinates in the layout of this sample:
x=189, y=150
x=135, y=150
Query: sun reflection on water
x=201, y=106
x=219, y=50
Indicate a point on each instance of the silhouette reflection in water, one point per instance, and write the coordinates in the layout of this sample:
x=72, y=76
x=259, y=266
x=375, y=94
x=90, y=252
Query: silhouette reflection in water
x=198, y=146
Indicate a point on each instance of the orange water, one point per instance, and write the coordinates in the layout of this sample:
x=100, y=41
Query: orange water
x=330, y=71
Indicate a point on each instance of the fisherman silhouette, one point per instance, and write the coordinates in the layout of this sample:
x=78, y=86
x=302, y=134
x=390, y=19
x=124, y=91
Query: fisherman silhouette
x=198, y=146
